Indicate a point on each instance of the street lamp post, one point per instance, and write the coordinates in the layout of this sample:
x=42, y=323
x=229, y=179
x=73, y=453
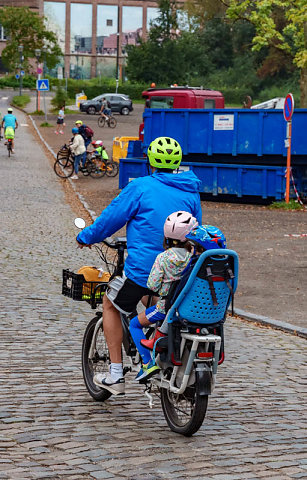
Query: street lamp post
x=20, y=50
x=37, y=55
x=44, y=49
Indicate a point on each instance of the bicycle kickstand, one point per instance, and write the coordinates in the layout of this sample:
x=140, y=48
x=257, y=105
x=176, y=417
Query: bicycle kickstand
x=148, y=395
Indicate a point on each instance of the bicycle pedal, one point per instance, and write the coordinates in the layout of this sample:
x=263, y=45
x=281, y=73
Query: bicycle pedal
x=126, y=370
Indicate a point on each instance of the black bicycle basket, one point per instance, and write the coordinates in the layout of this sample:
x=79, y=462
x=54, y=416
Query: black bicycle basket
x=76, y=287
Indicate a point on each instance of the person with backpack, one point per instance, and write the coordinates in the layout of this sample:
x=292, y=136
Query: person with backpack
x=77, y=147
x=201, y=238
x=87, y=133
x=143, y=206
x=166, y=269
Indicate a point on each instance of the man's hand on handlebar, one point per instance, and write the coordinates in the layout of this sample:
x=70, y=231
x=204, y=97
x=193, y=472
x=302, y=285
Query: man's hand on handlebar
x=82, y=245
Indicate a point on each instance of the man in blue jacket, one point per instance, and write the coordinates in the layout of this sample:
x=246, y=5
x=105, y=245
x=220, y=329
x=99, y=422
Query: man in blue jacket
x=143, y=205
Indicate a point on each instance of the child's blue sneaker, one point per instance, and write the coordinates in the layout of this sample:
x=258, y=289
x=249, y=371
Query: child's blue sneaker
x=147, y=371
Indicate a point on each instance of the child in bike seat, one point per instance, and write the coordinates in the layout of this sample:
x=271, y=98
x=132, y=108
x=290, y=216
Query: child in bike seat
x=167, y=268
x=202, y=238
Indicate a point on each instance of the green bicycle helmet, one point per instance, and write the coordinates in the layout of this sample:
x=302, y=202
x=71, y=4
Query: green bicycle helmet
x=164, y=152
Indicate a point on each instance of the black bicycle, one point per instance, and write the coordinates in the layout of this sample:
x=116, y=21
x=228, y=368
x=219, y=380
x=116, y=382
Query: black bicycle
x=95, y=353
x=189, y=357
x=110, y=121
x=9, y=146
x=64, y=165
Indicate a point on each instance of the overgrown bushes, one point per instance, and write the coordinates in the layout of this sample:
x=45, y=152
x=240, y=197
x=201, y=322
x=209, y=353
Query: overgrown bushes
x=231, y=82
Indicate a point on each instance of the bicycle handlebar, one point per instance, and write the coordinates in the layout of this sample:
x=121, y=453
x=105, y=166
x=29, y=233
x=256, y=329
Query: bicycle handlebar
x=116, y=243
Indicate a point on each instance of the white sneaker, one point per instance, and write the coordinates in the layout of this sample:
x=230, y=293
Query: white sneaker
x=75, y=177
x=104, y=380
x=56, y=132
x=13, y=151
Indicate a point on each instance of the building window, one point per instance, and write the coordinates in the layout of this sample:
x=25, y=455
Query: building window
x=106, y=41
x=2, y=34
x=81, y=28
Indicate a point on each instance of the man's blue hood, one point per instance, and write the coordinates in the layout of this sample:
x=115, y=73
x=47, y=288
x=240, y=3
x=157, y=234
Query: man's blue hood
x=186, y=181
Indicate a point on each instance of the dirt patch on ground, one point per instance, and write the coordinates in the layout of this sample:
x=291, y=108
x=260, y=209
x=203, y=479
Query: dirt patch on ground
x=273, y=265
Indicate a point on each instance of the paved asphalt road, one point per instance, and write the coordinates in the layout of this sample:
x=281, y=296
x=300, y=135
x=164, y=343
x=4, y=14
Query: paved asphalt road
x=49, y=426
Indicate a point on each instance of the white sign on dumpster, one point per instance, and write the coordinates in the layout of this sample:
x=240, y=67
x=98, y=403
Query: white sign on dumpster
x=223, y=122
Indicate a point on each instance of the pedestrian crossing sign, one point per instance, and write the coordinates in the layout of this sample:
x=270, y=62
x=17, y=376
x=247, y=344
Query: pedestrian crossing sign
x=42, y=85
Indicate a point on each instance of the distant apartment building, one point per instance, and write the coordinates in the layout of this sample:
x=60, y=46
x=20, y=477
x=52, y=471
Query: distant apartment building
x=92, y=34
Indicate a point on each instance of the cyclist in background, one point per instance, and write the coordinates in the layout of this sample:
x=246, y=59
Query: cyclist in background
x=105, y=110
x=143, y=206
x=9, y=125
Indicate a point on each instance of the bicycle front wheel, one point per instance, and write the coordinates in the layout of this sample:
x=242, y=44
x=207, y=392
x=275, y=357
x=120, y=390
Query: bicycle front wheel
x=63, y=169
x=95, y=360
x=112, y=122
x=101, y=122
x=98, y=169
x=112, y=169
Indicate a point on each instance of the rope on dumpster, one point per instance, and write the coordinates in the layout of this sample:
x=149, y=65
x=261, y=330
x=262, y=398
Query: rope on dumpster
x=295, y=190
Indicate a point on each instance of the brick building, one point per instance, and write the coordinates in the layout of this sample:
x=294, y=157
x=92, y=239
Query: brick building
x=92, y=34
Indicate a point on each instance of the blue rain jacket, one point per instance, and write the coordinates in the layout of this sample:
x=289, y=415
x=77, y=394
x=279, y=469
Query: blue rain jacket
x=144, y=204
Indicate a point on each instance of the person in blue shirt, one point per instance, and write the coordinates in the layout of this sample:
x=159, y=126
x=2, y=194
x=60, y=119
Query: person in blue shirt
x=9, y=125
x=143, y=206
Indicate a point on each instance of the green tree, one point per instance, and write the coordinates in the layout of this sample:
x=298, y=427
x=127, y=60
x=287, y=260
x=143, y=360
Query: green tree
x=280, y=25
x=27, y=28
x=201, y=11
x=159, y=58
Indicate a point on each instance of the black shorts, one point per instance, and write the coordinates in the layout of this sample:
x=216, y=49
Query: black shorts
x=60, y=121
x=126, y=294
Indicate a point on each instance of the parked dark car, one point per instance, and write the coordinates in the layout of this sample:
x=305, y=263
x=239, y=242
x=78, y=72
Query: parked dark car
x=119, y=103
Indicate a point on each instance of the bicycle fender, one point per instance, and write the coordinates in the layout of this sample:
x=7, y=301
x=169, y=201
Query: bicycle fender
x=203, y=380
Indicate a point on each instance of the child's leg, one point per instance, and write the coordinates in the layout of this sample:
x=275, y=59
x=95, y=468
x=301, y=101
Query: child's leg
x=144, y=319
x=136, y=329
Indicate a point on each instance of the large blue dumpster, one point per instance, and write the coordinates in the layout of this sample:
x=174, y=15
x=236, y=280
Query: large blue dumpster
x=229, y=132
x=217, y=179
x=232, y=151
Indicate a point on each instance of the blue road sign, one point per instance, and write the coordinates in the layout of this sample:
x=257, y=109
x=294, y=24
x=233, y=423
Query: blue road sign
x=17, y=76
x=42, y=85
x=22, y=72
x=288, y=107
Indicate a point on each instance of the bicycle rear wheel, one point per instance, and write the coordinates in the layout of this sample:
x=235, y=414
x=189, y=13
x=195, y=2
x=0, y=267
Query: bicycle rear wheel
x=112, y=169
x=101, y=122
x=112, y=122
x=99, y=361
x=184, y=412
x=63, y=169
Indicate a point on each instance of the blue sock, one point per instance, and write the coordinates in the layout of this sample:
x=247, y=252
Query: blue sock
x=136, y=330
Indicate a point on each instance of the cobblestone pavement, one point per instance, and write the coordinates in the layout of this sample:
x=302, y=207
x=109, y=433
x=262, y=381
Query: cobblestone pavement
x=50, y=427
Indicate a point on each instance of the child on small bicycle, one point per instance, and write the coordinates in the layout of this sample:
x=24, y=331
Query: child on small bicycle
x=99, y=150
x=167, y=268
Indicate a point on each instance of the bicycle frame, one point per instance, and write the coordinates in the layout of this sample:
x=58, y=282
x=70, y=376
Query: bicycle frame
x=203, y=363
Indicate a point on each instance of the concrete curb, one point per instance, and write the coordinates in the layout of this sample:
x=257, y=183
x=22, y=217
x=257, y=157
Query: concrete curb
x=267, y=321
x=270, y=322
